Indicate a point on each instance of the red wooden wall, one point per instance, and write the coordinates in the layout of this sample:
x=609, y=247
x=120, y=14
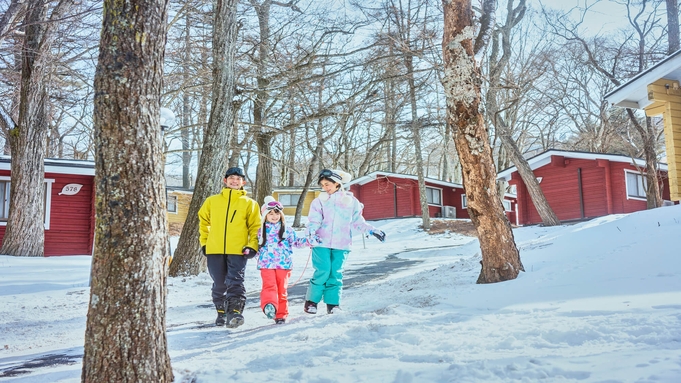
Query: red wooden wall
x=71, y=217
x=603, y=190
x=394, y=197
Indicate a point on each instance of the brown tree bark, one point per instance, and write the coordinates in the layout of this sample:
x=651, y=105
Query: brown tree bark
x=461, y=82
x=673, y=26
x=188, y=259
x=25, y=233
x=125, y=339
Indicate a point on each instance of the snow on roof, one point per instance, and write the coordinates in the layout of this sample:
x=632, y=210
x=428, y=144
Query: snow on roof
x=374, y=175
x=545, y=158
x=57, y=165
x=634, y=93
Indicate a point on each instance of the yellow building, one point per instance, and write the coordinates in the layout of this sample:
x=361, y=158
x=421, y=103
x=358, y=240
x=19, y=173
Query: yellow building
x=657, y=91
x=289, y=196
x=178, y=200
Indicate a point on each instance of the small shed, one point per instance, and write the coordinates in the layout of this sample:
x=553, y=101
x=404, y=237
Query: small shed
x=69, y=205
x=178, y=200
x=391, y=195
x=289, y=197
x=581, y=185
x=657, y=91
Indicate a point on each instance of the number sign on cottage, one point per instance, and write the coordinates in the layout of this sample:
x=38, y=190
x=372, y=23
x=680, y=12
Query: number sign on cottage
x=71, y=189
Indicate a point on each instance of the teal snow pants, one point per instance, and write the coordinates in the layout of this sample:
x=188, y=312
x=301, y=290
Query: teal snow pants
x=327, y=281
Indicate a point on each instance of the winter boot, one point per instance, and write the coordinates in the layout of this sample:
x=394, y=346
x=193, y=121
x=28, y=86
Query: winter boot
x=235, y=306
x=270, y=311
x=279, y=321
x=310, y=307
x=333, y=309
x=221, y=320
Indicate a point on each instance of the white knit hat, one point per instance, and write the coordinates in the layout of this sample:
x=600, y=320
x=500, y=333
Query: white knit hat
x=338, y=176
x=268, y=205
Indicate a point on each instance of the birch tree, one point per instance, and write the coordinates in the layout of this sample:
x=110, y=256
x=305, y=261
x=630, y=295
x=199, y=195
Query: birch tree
x=125, y=337
x=461, y=82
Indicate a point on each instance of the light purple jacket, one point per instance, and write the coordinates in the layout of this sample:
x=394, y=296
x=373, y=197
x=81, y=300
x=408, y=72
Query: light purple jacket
x=333, y=219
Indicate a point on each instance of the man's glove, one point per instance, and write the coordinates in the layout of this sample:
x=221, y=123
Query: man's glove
x=249, y=252
x=378, y=234
x=203, y=249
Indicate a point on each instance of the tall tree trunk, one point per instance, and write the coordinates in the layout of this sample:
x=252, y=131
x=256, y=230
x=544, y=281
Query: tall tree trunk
x=416, y=138
x=461, y=82
x=263, y=186
x=125, y=338
x=673, y=25
x=25, y=232
x=186, y=108
x=188, y=259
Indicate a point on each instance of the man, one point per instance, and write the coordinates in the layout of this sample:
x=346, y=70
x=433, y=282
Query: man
x=228, y=227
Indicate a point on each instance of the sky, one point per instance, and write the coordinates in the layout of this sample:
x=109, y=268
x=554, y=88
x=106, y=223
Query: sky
x=599, y=301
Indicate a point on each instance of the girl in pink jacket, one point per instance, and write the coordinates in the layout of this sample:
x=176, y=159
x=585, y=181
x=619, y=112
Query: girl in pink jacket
x=332, y=217
x=274, y=259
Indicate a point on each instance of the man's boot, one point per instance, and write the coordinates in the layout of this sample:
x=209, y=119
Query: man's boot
x=235, y=308
x=221, y=319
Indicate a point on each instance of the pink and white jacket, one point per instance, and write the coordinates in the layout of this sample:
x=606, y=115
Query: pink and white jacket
x=276, y=253
x=334, y=218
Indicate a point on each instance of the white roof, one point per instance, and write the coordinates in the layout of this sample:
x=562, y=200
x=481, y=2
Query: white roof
x=59, y=166
x=634, y=93
x=545, y=158
x=374, y=175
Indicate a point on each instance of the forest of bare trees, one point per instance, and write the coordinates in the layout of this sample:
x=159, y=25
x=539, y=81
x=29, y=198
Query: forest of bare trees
x=453, y=90
x=354, y=85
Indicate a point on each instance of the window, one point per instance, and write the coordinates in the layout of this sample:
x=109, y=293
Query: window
x=434, y=196
x=464, y=201
x=636, y=185
x=289, y=199
x=172, y=203
x=4, y=200
x=507, y=204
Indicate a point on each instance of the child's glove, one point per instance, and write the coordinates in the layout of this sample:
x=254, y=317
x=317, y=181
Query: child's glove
x=378, y=234
x=249, y=252
x=203, y=249
x=314, y=240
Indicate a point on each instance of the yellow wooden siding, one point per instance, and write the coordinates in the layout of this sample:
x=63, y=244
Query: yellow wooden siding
x=667, y=96
x=183, y=200
x=291, y=210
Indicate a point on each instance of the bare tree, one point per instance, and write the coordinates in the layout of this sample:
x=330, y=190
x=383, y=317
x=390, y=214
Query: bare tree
x=461, y=81
x=497, y=66
x=188, y=259
x=25, y=233
x=125, y=338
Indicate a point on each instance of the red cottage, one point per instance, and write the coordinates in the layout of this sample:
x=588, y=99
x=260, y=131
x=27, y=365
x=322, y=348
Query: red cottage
x=580, y=185
x=69, y=205
x=390, y=195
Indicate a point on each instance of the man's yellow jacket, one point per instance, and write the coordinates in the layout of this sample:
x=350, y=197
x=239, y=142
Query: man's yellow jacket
x=229, y=221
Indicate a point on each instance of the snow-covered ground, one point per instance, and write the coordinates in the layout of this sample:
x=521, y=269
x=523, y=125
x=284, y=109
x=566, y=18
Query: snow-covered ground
x=600, y=301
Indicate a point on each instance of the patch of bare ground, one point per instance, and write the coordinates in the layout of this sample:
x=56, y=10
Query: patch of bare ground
x=463, y=227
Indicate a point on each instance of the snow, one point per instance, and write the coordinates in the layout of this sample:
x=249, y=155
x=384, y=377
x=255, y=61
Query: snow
x=600, y=301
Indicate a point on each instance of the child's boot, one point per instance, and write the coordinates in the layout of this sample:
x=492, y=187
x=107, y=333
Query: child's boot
x=333, y=309
x=270, y=311
x=235, y=308
x=310, y=307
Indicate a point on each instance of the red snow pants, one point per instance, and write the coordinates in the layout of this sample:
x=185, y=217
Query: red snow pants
x=274, y=290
